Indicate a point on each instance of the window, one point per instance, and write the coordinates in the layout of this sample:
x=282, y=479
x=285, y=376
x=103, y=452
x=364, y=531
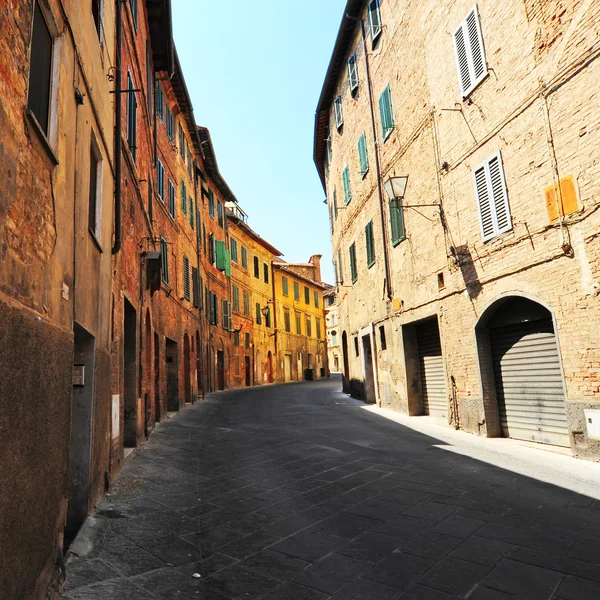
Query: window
x=95, y=196
x=170, y=128
x=236, y=298
x=353, y=272
x=308, y=326
x=337, y=111
x=186, y=278
x=244, y=257
x=296, y=291
x=211, y=249
x=246, y=304
x=382, y=342
x=374, y=19
x=306, y=295
x=247, y=340
x=386, y=113
x=370, y=243
x=353, y=73
x=256, y=268
x=316, y=298
x=234, y=250
x=183, y=198
x=134, y=12
x=211, y=204
x=159, y=101
x=285, y=286
x=397, y=221
x=181, y=142
x=220, y=214
x=220, y=255
x=356, y=346
x=97, y=16
x=236, y=338
x=333, y=338
x=490, y=189
x=171, y=199
x=363, y=157
x=346, y=182
x=286, y=320
x=470, y=54
x=330, y=302
x=266, y=272
x=268, y=316
x=213, y=308
x=318, y=328
x=298, y=324
x=160, y=179
x=164, y=260
x=226, y=315
x=258, y=315
x=149, y=80
x=40, y=71
x=131, y=117
x=340, y=269
x=197, y=287
x=191, y=212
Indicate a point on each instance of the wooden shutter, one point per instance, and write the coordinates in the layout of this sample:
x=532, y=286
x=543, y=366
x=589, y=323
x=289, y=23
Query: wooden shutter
x=353, y=272
x=346, y=182
x=470, y=53
x=191, y=212
x=362, y=155
x=397, y=221
x=386, y=113
x=370, y=243
x=220, y=255
x=227, y=262
x=186, y=278
x=164, y=260
x=196, y=287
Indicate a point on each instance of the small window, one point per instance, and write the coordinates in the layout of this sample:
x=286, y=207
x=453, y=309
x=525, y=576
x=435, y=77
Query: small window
x=353, y=73
x=186, y=278
x=197, y=287
x=181, y=142
x=346, y=182
x=382, y=342
x=171, y=199
x=337, y=111
x=220, y=214
x=95, y=196
x=246, y=304
x=159, y=101
x=308, y=326
x=236, y=298
x=356, y=346
x=170, y=128
x=370, y=244
x=247, y=340
x=386, y=113
x=160, y=179
x=318, y=328
x=296, y=291
x=131, y=117
x=440, y=281
x=244, y=258
x=286, y=320
x=298, y=324
x=285, y=286
x=397, y=221
x=306, y=295
x=183, y=197
x=268, y=316
x=256, y=267
x=266, y=272
x=258, y=315
x=236, y=338
x=363, y=155
x=211, y=204
x=470, y=53
x=191, y=203
x=226, y=316
x=374, y=20
x=492, y=198
x=234, y=250
x=164, y=260
x=316, y=299
x=353, y=271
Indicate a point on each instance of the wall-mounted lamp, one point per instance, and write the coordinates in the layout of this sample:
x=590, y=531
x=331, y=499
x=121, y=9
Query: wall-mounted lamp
x=395, y=187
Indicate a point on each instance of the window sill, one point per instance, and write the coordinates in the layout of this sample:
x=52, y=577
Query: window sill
x=42, y=136
x=95, y=239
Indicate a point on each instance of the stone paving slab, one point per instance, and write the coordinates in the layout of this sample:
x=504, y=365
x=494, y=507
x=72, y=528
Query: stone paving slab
x=295, y=493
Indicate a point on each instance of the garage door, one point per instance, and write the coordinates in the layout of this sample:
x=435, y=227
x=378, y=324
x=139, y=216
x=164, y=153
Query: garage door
x=529, y=382
x=431, y=362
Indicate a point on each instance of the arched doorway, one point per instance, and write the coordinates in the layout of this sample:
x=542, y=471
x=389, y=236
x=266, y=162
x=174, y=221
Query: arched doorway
x=269, y=367
x=346, y=373
x=187, y=381
x=521, y=372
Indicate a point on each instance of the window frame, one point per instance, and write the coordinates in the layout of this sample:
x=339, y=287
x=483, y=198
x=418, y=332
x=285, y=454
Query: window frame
x=353, y=79
x=172, y=195
x=164, y=260
x=95, y=202
x=375, y=29
x=160, y=179
x=338, y=112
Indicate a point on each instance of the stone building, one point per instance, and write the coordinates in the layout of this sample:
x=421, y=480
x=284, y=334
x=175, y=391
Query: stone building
x=471, y=294
x=300, y=320
x=56, y=213
x=334, y=348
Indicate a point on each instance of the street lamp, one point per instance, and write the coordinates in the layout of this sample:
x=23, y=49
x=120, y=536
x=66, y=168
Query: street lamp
x=395, y=187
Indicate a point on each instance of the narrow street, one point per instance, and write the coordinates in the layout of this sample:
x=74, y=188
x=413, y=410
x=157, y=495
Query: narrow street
x=295, y=492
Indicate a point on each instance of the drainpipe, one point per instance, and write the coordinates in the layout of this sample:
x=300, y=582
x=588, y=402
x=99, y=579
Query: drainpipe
x=386, y=258
x=118, y=114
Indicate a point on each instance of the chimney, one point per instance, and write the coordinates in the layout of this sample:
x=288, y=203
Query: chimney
x=315, y=261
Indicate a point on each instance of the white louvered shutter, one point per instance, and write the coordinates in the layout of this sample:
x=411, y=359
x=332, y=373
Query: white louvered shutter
x=470, y=54
x=499, y=195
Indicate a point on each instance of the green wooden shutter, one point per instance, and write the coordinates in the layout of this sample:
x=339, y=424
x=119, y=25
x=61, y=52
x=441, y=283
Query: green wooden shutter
x=397, y=222
x=346, y=182
x=386, y=113
x=227, y=262
x=353, y=271
x=220, y=255
x=370, y=243
x=362, y=155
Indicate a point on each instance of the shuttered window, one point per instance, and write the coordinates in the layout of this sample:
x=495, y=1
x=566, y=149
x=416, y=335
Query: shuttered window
x=353, y=72
x=374, y=19
x=244, y=257
x=226, y=316
x=386, y=113
x=171, y=199
x=370, y=244
x=246, y=304
x=183, y=198
x=306, y=295
x=316, y=298
x=285, y=286
x=160, y=179
x=286, y=320
x=308, y=326
x=258, y=315
x=340, y=268
x=397, y=221
x=220, y=214
x=266, y=272
x=211, y=204
x=353, y=271
x=256, y=267
x=296, y=291
x=191, y=212
x=236, y=298
x=220, y=255
x=236, y=338
x=470, y=54
x=318, y=328
x=196, y=287
x=247, y=340
x=181, y=142
x=131, y=117
x=337, y=111
x=234, y=250
x=298, y=324
x=170, y=128
x=492, y=198
x=362, y=155
x=268, y=316
x=346, y=182
x=164, y=260
x=159, y=101
x=186, y=278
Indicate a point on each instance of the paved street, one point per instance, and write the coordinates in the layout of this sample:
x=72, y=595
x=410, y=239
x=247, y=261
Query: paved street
x=296, y=493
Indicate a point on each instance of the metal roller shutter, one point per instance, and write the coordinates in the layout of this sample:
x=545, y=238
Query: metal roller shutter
x=431, y=362
x=529, y=382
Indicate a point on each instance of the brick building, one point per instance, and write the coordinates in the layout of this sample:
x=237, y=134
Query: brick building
x=470, y=294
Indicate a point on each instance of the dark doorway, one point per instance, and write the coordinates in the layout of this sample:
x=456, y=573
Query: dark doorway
x=346, y=373
x=82, y=409
x=220, y=369
x=269, y=367
x=172, y=375
x=157, y=409
x=147, y=380
x=247, y=367
x=130, y=375
x=368, y=365
x=187, y=379
x=199, y=390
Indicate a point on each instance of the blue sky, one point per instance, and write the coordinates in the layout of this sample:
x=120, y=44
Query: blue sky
x=254, y=72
